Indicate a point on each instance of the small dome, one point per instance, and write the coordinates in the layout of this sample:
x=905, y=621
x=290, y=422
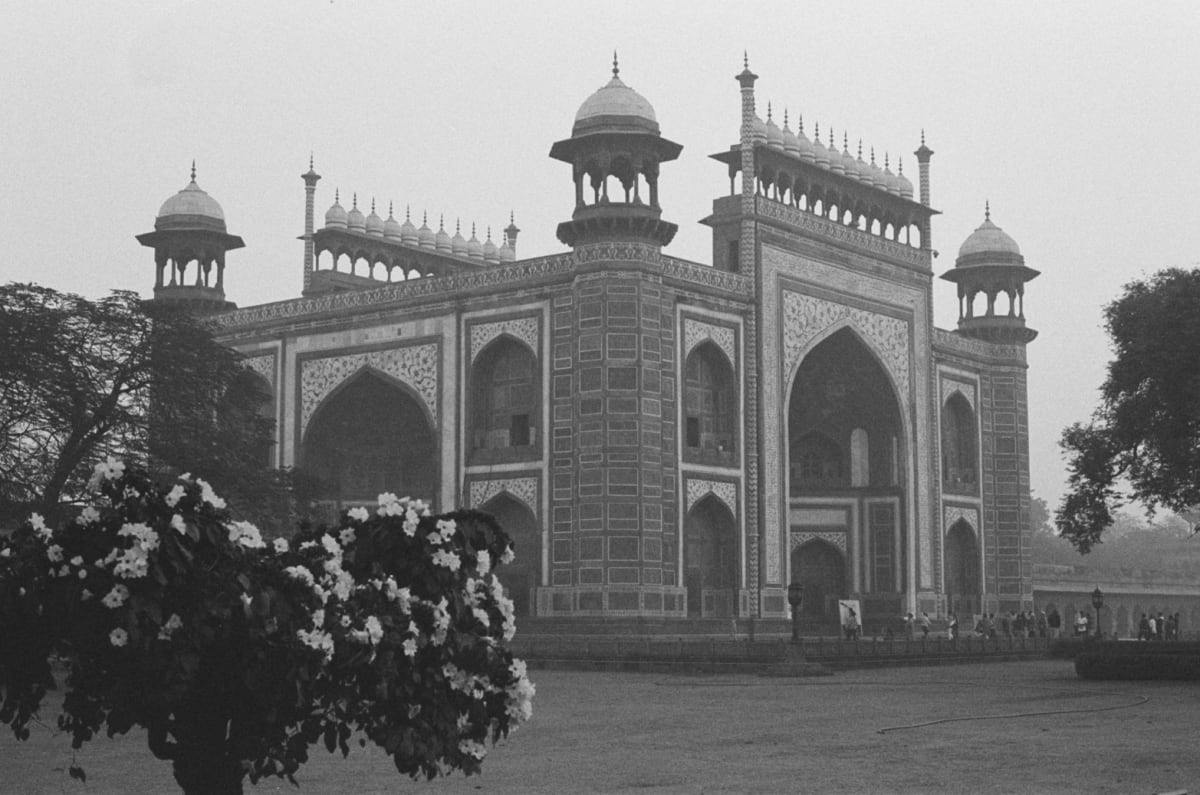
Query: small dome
x=374, y=223
x=506, y=252
x=989, y=239
x=458, y=244
x=848, y=162
x=490, y=252
x=391, y=227
x=820, y=153
x=891, y=182
x=791, y=144
x=474, y=247
x=408, y=232
x=806, y=147
x=758, y=130
x=902, y=182
x=354, y=219
x=335, y=216
x=425, y=236
x=193, y=204
x=837, y=163
x=774, y=134
x=616, y=105
x=442, y=239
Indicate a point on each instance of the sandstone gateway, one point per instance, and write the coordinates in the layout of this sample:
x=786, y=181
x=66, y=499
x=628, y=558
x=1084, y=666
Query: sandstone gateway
x=665, y=439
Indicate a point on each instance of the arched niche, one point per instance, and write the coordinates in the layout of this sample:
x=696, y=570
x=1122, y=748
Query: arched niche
x=710, y=559
x=963, y=585
x=820, y=568
x=710, y=407
x=505, y=400
x=250, y=398
x=521, y=577
x=959, y=446
x=840, y=388
x=371, y=435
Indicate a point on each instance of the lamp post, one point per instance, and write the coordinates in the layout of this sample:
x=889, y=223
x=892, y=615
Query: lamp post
x=795, y=597
x=1097, y=602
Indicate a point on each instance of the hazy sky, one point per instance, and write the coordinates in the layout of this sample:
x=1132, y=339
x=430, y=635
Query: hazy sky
x=1078, y=121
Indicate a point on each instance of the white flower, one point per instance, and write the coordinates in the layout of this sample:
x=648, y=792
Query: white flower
x=168, y=629
x=64, y=571
x=374, y=629
x=300, y=573
x=208, y=495
x=6, y=552
x=358, y=514
x=83, y=574
x=281, y=545
x=245, y=534
x=176, y=494
x=472, y=748
x=55, y=553
x=87, y=516
x=508, y=555
x=307, y=544
x=331, y=545
x=318, y=618
x=447, y=559
x=84, y=595
x=446, y=527
x=483, y=561
x=109, y=470
x=118, y=637
x=145, y=536
x=38, y=522
x=321, y=641
x=132, y=564
x=77, y=560
x=410, y=647
x=482, y=616
x=116, y=597
x=178, y=523
x=347, y=536
x=410, y=522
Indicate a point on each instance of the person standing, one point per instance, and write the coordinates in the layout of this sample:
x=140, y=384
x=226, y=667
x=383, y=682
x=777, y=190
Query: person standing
x=1152, y=630
x=953, y=626
x=924, y=625
x=1054, y=622
x=908, y=625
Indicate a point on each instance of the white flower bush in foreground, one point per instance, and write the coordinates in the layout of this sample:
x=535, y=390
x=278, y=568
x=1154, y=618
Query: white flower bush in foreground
x=236, y=655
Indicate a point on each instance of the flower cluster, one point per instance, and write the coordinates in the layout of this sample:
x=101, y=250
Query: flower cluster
x=398, y=606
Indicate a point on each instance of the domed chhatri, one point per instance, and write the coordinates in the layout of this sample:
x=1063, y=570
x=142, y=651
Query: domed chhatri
x=191, y=208
x=988, y=239
x=615, y=106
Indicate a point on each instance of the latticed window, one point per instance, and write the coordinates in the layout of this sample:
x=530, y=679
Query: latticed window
x=505, y=387
x=958, y=446
x=710, y=422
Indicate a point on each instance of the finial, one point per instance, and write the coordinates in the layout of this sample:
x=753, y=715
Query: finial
x=337, y=196
x=372, y=204
x=390, y=206
x=987, y=210
x=745, y=60
x=817, y=132
x=872, y=155
x=860, y=149
x=785, y=118
x=489, y=237
x=616, y=68
x=442, y=222
x=845, y=141
x=922, y=136
x=768, y=110
x=472, y=229
x=407, y=208
x=355, y=200
x=511, y=218
x=193, y=169
x=832, y=145
x=900, y=164
x=886, y=165
x=800, y=123
x=310, y=161
x=458, y=226
x=425, y=218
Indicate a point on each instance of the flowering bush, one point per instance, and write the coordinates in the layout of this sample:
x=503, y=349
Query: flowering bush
x=236, y=654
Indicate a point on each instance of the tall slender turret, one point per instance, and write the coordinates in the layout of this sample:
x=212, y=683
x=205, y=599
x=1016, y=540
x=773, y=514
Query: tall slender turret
x=310, y=189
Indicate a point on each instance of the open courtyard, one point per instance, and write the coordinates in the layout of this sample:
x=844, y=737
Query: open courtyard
x=1023, y=727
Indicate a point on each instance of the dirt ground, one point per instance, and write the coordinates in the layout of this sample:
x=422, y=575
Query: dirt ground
x=1024, y=727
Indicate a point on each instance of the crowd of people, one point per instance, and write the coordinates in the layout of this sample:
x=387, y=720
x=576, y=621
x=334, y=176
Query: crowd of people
x=1158, y=628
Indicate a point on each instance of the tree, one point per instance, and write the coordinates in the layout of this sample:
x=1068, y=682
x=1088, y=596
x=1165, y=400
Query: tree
x=237, y=656
x=1143, y=441
x=83, y=380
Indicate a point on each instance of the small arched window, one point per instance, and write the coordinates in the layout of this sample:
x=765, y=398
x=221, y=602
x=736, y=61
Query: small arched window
x=958, y=446
x=710, y=407
x=505, y=389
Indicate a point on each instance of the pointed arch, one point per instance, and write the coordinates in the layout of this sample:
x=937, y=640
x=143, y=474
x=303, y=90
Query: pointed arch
x=710, y=406
x=820, y=569
x=504, y=389
x=961, y=570
x=710, y=554
x=523, y=575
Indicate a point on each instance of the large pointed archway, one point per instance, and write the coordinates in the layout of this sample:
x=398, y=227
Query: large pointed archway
x=964, y=589
x=370, y=436
x=521, y=577
x=845, y=468
x=710, y=559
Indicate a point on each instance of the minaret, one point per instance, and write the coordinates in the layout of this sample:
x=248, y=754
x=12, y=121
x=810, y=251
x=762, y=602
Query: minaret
x=190, y=230
x=923, y=154
x=616, y=139
x=510, y=232
x=310, y=189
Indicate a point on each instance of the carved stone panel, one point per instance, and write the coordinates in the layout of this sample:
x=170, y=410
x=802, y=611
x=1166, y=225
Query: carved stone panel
x=952, y=513
x=523, y=328
x=415, y=365
x=724, y=491
x=263, y=365
x=697, y=331
x=798, y=538
x=950, y=386
x=523, y=489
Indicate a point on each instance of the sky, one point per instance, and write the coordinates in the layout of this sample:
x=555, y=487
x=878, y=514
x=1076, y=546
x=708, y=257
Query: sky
x=1076, y=121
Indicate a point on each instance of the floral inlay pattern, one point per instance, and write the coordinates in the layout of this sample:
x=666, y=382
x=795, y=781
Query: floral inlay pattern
x=697, y=331
x=949, y=387
x=724, y=491
x=524, y=328
x=523, y=489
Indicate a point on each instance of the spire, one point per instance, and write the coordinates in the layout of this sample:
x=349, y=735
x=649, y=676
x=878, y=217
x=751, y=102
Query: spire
x=407, y=211
x=355, y=207
x=616, y=68
x=768, y=110
x=872, y=155
x=860, y=149
x=337, y=196
x=193, y=169
x=987, y=210
x=800, y=123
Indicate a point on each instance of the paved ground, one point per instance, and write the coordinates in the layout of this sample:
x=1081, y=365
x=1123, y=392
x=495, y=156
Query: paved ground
x=1026, y=727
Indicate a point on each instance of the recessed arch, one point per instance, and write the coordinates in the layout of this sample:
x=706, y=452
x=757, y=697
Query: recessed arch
x=505, y=399
x=961, y=572
x=710, y=406
x=710, y=553
x=371, y=435
x=959, y=442
x=522, y=576
x=820, y=569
